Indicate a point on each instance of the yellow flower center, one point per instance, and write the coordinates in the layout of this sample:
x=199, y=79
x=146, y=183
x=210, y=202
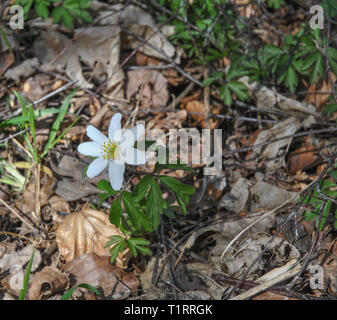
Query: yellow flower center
x=110, y=150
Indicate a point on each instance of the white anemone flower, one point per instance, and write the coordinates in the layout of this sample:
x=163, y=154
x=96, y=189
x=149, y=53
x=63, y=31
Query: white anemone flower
x=114, y=151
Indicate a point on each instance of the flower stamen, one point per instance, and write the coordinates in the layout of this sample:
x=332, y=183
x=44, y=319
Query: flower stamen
x=110, y=150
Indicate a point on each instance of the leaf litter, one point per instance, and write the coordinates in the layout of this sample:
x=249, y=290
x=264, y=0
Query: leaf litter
x=234, y=215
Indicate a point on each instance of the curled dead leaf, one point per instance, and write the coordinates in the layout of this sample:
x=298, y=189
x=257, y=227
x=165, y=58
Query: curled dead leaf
x=87, y=231
x=47, y=282
x=302, y=158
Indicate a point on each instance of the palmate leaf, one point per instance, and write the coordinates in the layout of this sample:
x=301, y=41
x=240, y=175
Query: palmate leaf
x=239, y=89
x=139, y=244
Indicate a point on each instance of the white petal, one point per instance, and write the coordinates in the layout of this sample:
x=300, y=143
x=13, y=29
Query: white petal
x=135, y=156
x=89, y=149
x=130, y=136
x=96, y=135
x=116, y=174
x=96, y=167
x=115, y=125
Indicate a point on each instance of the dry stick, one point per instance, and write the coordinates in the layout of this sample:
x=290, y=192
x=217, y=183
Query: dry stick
x=16, y=235
x=37, y=191
x=11, y=136
x=264, y=286
x=28, y=224
x=327, y=60
x=181, y=96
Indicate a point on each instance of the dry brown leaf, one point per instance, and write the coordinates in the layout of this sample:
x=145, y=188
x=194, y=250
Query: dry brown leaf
x=29, y=194
x=151, y=85
x=272, y=296
x=58, y=204
x=98, y=272
x=47, y=282
x=319, y=100
x=197, y=111
x=302, y=158
x=170, y=120
x=87, y=231
x=6, y=60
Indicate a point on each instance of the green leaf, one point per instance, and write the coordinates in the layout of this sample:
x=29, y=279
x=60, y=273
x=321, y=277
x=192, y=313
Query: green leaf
x=57, y=14
x=114, y=240
x=116, y=213
x=104, y=185
x=154, y=204
x=25, y=118
x=317, y=69
x=68, y=20
x=131, y=209
x=226, y=95
x=291, y=79
x=4, y=37
x=152, y=211
x=42, y=10
x=119, y=247
x=23, y=291
x=173, y=166
x=70, y=292
x=181, y=204
x=33, y=132
x=207, y=82
x=329, y=109
x=176, y=186
x=58, y=121
x=239, y=89
x=142, y=188
x=139, y=244
x=157, y=196
x=85, y=15
x=272, y=50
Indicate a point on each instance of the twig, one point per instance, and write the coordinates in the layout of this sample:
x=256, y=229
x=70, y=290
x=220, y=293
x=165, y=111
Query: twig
x=28, y=224
x=327, y=60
